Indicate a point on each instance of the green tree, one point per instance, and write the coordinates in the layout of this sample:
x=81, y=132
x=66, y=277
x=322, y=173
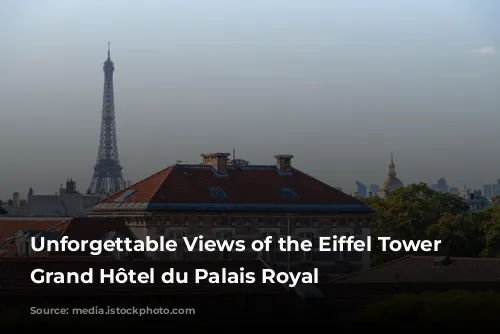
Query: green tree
x=461, y=234
x=490, y=225
x=496, y=200
x=412, y=213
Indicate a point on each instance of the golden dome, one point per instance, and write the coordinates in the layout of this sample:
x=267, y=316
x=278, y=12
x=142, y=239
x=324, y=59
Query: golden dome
x=391, y=182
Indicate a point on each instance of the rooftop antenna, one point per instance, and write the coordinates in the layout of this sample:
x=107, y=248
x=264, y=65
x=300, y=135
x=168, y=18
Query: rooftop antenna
x=109, y=48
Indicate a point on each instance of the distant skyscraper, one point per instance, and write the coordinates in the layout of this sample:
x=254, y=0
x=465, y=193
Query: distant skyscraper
x=487, y=190
x=374, y=189
x=495, y=189
x=441, y=186
x=361, y=189
x=107, y=178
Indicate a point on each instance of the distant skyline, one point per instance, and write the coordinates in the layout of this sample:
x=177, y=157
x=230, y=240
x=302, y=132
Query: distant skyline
x=338, y=84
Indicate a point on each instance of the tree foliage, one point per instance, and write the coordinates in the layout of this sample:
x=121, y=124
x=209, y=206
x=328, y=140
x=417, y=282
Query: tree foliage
x=416, y=212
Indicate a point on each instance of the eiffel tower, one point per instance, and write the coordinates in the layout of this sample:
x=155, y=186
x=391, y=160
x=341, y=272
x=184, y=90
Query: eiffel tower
x=107, y=178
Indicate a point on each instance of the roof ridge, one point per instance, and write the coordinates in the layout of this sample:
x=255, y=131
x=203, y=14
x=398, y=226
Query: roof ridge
x=406, y=257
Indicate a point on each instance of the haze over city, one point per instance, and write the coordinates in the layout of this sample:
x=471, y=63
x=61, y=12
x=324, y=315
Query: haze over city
x=339, y=84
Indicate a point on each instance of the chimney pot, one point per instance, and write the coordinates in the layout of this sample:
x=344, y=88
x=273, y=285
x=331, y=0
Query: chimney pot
x=216, y=160
x=284, y=162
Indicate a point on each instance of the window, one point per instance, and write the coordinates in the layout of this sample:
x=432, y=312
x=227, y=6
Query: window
x=354, y=255
x=226, y=255
x=307, y=236
x=179, y=251
x=223, y=235
x=217, y=193
x=226, y=235
x=126, y=194
x=289, y=193
x=271, y=254
x=345, y=252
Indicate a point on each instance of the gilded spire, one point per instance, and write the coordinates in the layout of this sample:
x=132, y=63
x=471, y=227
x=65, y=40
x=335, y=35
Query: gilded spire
x=392, y=167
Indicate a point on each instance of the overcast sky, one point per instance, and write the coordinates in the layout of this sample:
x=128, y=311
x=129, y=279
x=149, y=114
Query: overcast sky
x=339, y=84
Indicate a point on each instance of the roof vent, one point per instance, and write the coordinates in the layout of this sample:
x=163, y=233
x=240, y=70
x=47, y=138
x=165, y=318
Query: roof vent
x=239, y=162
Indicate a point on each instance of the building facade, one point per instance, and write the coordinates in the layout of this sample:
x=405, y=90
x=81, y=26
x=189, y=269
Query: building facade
x=229, y=201
x=67, y=202
x=475, y=199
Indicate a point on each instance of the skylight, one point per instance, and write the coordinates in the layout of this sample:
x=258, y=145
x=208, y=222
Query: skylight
x=218, y=193
x=289, y=193
x=126, y=194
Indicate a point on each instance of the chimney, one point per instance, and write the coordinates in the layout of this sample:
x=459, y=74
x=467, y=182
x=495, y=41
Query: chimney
x=216, y=160
x=70, y=186
x=284, y=162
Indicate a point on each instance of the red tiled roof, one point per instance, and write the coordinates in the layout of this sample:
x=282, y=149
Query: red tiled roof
x=251, y=184
x=423, y=269
x=94, y=228
x=10, y=226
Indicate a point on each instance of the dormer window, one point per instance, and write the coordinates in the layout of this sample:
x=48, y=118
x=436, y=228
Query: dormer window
x=289, y=193
x=126, y=194
x=218, y=193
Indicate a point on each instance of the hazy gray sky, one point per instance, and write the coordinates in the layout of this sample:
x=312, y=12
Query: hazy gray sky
x=339, y=84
